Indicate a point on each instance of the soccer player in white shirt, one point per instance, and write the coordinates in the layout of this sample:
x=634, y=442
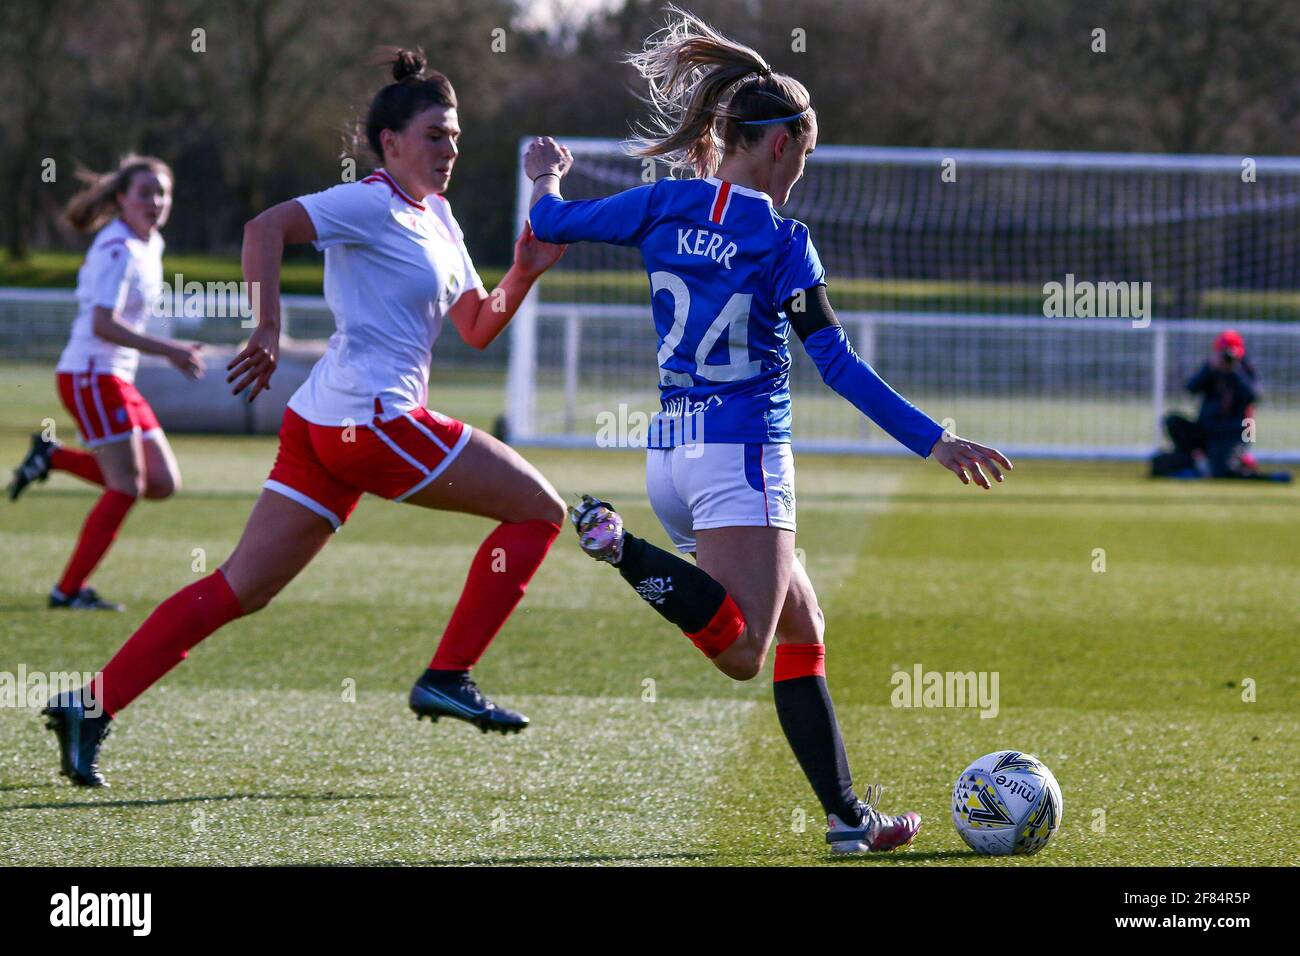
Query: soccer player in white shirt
x=395, y=267
x=117, y=287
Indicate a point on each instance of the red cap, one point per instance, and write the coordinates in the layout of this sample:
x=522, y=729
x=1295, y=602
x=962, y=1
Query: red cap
x=1229, y=340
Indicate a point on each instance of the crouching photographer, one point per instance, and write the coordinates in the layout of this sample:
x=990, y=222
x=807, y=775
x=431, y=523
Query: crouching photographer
x=1212, y=445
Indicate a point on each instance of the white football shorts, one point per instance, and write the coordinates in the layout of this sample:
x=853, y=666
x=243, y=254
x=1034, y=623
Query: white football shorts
x=695, y=487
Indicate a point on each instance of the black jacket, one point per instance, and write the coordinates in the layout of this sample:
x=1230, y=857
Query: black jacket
x=1228, y=396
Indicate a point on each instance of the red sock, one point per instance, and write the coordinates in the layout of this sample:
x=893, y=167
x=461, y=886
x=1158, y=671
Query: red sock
x=96, y=535
x=799, y=660
x=498, y=577
x=164, y=639
x=80, y=463
x=721, y=632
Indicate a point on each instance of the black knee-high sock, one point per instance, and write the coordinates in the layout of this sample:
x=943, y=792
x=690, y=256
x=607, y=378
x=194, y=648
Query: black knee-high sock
x=682, y=593
x=803, y=705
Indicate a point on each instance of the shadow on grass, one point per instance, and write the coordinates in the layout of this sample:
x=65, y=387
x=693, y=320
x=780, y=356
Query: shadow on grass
x=907, y=856
x=90, y=494
x=797, y=859
x=1050, y=499
x=539, y=858
x=169, y=801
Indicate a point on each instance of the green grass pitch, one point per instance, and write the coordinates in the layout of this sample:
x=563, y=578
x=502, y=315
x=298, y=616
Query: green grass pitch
x=1129, y=683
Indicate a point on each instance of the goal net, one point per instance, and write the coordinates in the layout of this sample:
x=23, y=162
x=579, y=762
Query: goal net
x=1051, y=304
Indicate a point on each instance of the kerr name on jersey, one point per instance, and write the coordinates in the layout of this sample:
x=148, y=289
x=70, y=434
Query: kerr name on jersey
x=705, y=243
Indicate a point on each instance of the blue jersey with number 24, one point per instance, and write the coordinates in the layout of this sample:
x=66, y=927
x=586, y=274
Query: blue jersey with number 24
x=721, y=262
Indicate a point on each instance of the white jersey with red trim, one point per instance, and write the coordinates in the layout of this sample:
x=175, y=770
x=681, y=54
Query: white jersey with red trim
x=393, y=267
x=124, y=273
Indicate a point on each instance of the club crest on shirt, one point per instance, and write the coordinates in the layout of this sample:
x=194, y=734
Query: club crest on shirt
x=451, y=287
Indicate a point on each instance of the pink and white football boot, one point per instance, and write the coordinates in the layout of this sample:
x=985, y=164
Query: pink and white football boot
x=600, y=529
x=877, y=832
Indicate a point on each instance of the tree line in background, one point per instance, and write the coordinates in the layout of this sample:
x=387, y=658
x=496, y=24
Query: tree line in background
x=251, y=101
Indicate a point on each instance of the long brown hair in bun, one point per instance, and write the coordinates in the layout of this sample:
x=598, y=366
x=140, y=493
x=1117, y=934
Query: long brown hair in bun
x=414, y=89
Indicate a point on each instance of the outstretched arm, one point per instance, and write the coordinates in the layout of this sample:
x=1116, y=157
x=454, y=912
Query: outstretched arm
x=265, y=237
x=185, y=356
x=844, y=371
x=617, y=219
x=479, y=316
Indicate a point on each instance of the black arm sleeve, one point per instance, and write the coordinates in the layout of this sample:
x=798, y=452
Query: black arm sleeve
x=813, y=313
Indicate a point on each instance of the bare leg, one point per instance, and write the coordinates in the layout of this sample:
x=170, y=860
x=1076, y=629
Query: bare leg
x=280, y=539
x=491, y=479
x=123, y=465
x=754, y=565
x=162, y=475
x=801, y=620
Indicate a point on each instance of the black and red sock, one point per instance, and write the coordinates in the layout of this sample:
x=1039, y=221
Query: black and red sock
x=803, y=705
x=682, y=593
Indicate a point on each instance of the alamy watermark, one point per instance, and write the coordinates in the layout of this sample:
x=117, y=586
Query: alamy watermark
x=75, y=908
x=1088, y=300
x=681, y=422
x=922, y=688
x=34, y=689
x=207, y=300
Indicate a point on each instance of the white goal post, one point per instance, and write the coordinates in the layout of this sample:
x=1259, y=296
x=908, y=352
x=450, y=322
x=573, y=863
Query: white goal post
x=940, y=264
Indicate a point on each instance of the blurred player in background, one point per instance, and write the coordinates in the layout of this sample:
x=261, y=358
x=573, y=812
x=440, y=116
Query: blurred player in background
x=1212, y=446
x=117, y=287
x=396, y=266
x=729, y=280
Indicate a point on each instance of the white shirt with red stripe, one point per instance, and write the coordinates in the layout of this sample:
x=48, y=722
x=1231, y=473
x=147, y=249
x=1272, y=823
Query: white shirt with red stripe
x=393, y=267
x=124, y=273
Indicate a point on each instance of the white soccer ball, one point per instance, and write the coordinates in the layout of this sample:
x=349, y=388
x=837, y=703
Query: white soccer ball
x=1006, y=802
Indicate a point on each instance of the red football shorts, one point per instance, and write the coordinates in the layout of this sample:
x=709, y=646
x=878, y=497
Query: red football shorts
x=327, y=468
x=106, y=408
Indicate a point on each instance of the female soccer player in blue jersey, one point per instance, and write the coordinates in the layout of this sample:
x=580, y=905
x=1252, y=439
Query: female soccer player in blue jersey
x=729, y=279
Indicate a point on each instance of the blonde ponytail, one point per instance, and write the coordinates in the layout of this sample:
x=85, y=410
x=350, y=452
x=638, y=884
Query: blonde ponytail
x=706, y=94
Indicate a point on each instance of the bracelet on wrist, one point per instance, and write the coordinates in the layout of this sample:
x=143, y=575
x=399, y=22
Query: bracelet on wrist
x=540, y=175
